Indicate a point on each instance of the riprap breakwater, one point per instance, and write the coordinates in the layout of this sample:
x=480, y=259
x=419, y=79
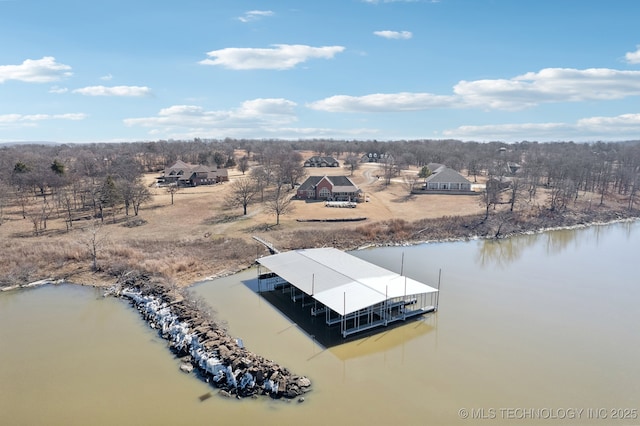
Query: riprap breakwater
x=217, y=357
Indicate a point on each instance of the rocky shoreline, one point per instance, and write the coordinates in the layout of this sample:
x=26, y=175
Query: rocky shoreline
x=207, y=349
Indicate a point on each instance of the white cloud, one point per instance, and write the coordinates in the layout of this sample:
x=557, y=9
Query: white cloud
x=58, y=89
x=257, y=115
x=254, y=15
x=107, y=77
x=253, y=118
x=383, y=102
x=279, y=57
x=524, y=91
x=31, y=120
x=128, y=91
x=633, y=57
x=626, y=123
x=586, y=129
x=43, y=70
x=398, y=35
x=550, y=85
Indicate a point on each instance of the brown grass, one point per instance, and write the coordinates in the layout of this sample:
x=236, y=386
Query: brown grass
x=197, y=237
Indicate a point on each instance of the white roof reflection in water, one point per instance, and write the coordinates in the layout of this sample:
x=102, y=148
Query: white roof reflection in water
x=341, y=281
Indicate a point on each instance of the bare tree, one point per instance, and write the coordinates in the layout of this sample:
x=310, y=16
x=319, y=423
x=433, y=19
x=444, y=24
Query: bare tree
x=95, y=238
x=473, y=168
x=605, y=179
x=561, y=193
x=4, y=199
x=290, y=169
x=243, y=164
x=260, y=177
x=140, y=195
x=516, y=190
x=38, y=214
x=242, y=192
x=280, y=203
x=634, y=191
x=389, y=169
x=352, y=163
x=409, y=181
x=172, y=188
x=491, y=194
x=134, y=193
x=65, y=202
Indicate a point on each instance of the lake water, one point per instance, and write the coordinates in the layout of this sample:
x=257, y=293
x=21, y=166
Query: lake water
x=536, y=329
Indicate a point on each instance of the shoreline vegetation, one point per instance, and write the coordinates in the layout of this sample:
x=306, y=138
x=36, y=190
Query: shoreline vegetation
x=108, y=224
x=393, y=232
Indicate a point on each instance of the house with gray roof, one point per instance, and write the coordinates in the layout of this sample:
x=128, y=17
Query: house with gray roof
x=445, y=179
x=318, y=161
x=376, y=157
x=185, y=174
x=334, y=188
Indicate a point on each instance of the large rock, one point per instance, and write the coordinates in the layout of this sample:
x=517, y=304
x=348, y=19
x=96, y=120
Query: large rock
x=186, y=367
x=303, y=382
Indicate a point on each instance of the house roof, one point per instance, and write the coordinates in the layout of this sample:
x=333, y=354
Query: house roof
x=446, y=175
x=319, y=159
x=188, y=169
x=339, y=183
x=434, y=166
x=310, y=183
x=178, y=165
x=341, y=281
x=201, y=168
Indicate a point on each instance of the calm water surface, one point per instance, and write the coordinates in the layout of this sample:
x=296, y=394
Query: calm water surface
x=546, y=323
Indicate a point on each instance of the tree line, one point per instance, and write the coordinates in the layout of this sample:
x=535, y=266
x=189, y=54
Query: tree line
x=104, y=180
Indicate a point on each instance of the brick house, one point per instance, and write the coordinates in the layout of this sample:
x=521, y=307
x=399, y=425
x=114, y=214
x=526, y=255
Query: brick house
x=335, y=188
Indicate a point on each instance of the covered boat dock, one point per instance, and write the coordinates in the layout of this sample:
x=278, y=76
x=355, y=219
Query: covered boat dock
x=347, y=290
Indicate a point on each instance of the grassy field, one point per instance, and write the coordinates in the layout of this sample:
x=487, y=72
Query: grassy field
x=197, y=237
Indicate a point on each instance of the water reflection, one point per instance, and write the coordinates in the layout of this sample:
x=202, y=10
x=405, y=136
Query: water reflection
x=502, y=253
x=385, y=340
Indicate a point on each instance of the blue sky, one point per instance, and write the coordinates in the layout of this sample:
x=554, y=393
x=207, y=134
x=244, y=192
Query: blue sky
x=482, y=70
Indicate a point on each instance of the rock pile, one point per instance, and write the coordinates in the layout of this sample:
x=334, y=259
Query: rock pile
x=218, y=358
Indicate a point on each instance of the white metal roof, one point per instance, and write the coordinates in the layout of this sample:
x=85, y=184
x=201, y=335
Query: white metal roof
x=343, y=282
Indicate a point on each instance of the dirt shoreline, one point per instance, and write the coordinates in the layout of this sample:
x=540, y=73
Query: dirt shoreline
x=466, y=228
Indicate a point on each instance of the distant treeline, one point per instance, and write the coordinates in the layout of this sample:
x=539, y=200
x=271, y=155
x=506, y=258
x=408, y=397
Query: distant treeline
x=78, y=179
